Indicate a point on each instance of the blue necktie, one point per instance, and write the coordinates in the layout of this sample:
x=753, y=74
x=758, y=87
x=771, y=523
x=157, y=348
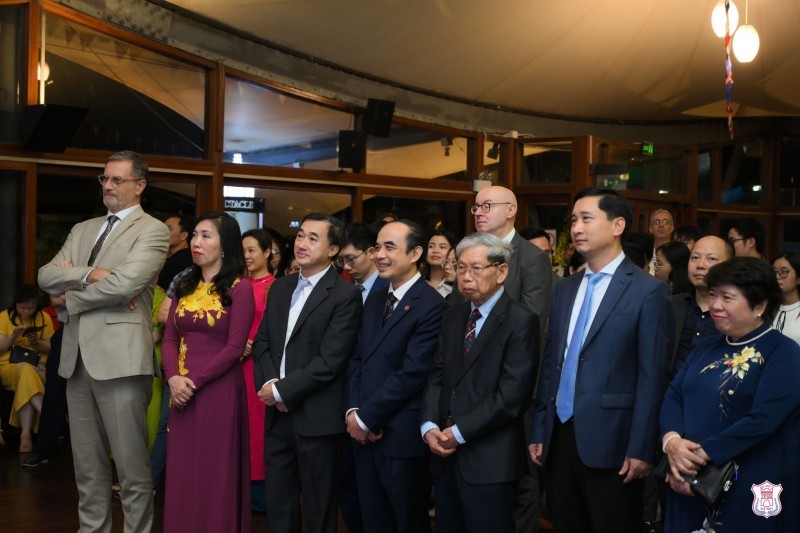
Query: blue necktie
x=566, y=387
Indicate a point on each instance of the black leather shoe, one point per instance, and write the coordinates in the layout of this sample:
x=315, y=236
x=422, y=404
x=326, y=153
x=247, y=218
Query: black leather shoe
x=34, y=460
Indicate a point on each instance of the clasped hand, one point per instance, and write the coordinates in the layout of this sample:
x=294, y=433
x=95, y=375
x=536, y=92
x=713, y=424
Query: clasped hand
x=266, y=397
x=685, y=457
x=358, y=434
x=441, y=443
x=181, y=390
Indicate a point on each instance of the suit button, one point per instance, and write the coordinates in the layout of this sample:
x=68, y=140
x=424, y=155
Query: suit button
x=455, y=391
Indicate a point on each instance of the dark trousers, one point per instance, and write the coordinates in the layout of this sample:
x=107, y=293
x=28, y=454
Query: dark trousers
x=392, y=491
x=158, y=453
x=54, y=403
x=588, y=500
x=298, y=465
x=348, y=489
x=463, y=507
x=526, y=503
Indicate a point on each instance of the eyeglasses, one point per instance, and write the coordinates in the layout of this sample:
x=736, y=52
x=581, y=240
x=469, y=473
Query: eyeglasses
x=662, y=222
x=659, y=264
x=349, y=261
x=476, y=270
x=116, y=181
x=289, y=271
x=549, y=251
x=733, y=241
x=485, y=206
x=782, y=273
x=450, y=264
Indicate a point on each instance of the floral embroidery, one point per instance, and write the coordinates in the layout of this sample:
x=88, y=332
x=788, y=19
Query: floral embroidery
x=182, y=350
x=204, y=304
x=737, y=367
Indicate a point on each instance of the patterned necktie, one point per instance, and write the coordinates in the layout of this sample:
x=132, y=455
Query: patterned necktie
x=360, y=287
x=390, y=301
x=469, y=336
x=100, y=240
x=566, y=388
x=302, y=283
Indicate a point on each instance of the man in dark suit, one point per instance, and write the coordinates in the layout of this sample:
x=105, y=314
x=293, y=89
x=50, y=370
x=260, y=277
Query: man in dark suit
x=102, y=281
x=603, y=377
x=356, y=259
x=530, y=284
x=386, y=376
x=480, y=386
x=301, y=352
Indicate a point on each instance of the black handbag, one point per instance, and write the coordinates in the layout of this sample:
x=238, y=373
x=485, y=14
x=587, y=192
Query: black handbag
x=711, y=484
x=20, y=354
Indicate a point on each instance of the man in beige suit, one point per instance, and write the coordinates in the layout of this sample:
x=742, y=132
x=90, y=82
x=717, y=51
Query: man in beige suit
x=102, y=281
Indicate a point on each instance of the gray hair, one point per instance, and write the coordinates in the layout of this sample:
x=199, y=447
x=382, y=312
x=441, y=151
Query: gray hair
x=497, y=250
x=139, y=165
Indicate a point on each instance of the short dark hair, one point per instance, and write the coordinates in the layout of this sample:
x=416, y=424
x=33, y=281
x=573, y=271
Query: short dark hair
x=140, y=168
x=634, y=252
x=26, y=293
x=749, y=227
x=415, y=235
x=643, y=240
x=185, y=222
x=360, y=236
x=230, y=239
x=576, y=260
x=677, y=255
x=612, y=204
x=534, y=232
x=688, y=232
x=755, y=278
x=336, y=232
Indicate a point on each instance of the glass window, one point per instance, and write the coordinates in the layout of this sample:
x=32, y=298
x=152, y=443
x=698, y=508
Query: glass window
x=429, y=213
x=11, y=220
x=704, y=176
x=417, y=153
x=63, y=200
x=264, y=126
x=741, y=173
x=546, y=162
x=11, y=64
x=662, y=171
x=137, y=99
x=790, y=172
x=791, y=235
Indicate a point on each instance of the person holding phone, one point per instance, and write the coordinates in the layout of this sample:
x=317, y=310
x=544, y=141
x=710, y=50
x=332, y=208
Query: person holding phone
x=24, y=325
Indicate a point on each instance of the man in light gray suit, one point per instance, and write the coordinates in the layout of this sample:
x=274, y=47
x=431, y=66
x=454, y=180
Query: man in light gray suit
x=102, y=283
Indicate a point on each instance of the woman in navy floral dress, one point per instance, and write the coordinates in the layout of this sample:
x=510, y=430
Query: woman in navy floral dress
x=737, y=397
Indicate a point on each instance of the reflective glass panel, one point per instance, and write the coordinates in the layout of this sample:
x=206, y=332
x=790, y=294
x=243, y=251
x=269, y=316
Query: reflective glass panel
x=546, y=162
x=741, y=173
x=137, y=99
x=418, y=153
x=11, y=58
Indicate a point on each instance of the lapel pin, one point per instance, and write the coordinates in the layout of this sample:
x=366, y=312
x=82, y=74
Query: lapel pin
x=406, y=308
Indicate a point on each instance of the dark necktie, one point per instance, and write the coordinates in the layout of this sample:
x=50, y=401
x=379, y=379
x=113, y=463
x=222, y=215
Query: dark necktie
x=469, y=336
x=359, y=286
x=390, y=301
x=566, y=388
x=100, y=240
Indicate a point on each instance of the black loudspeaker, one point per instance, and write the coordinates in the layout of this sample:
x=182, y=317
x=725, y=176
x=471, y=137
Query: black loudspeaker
x=352, y=149
x=50, y=127
x=378, y=118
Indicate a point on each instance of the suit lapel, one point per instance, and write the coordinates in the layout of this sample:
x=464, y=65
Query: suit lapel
x=122, y=226
x=403, y=307
x=457, y=334
x=619, y=282
x=491, y=324
x=318, y=294
x=565, y=311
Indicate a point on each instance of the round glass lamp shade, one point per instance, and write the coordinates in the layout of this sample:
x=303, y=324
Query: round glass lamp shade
x=718, y=18
x=746, y=43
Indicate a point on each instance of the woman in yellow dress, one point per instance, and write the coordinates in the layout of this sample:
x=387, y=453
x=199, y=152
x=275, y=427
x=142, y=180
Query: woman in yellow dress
x=24, y=324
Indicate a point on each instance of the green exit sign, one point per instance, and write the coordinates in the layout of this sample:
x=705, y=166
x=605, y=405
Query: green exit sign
x=648, y=148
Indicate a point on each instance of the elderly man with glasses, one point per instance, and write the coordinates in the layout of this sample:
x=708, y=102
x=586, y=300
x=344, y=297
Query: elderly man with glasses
x=477, y=393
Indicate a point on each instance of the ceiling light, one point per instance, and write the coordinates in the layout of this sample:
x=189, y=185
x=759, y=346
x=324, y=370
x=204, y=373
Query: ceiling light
x=746, y=43
x=718, y=18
